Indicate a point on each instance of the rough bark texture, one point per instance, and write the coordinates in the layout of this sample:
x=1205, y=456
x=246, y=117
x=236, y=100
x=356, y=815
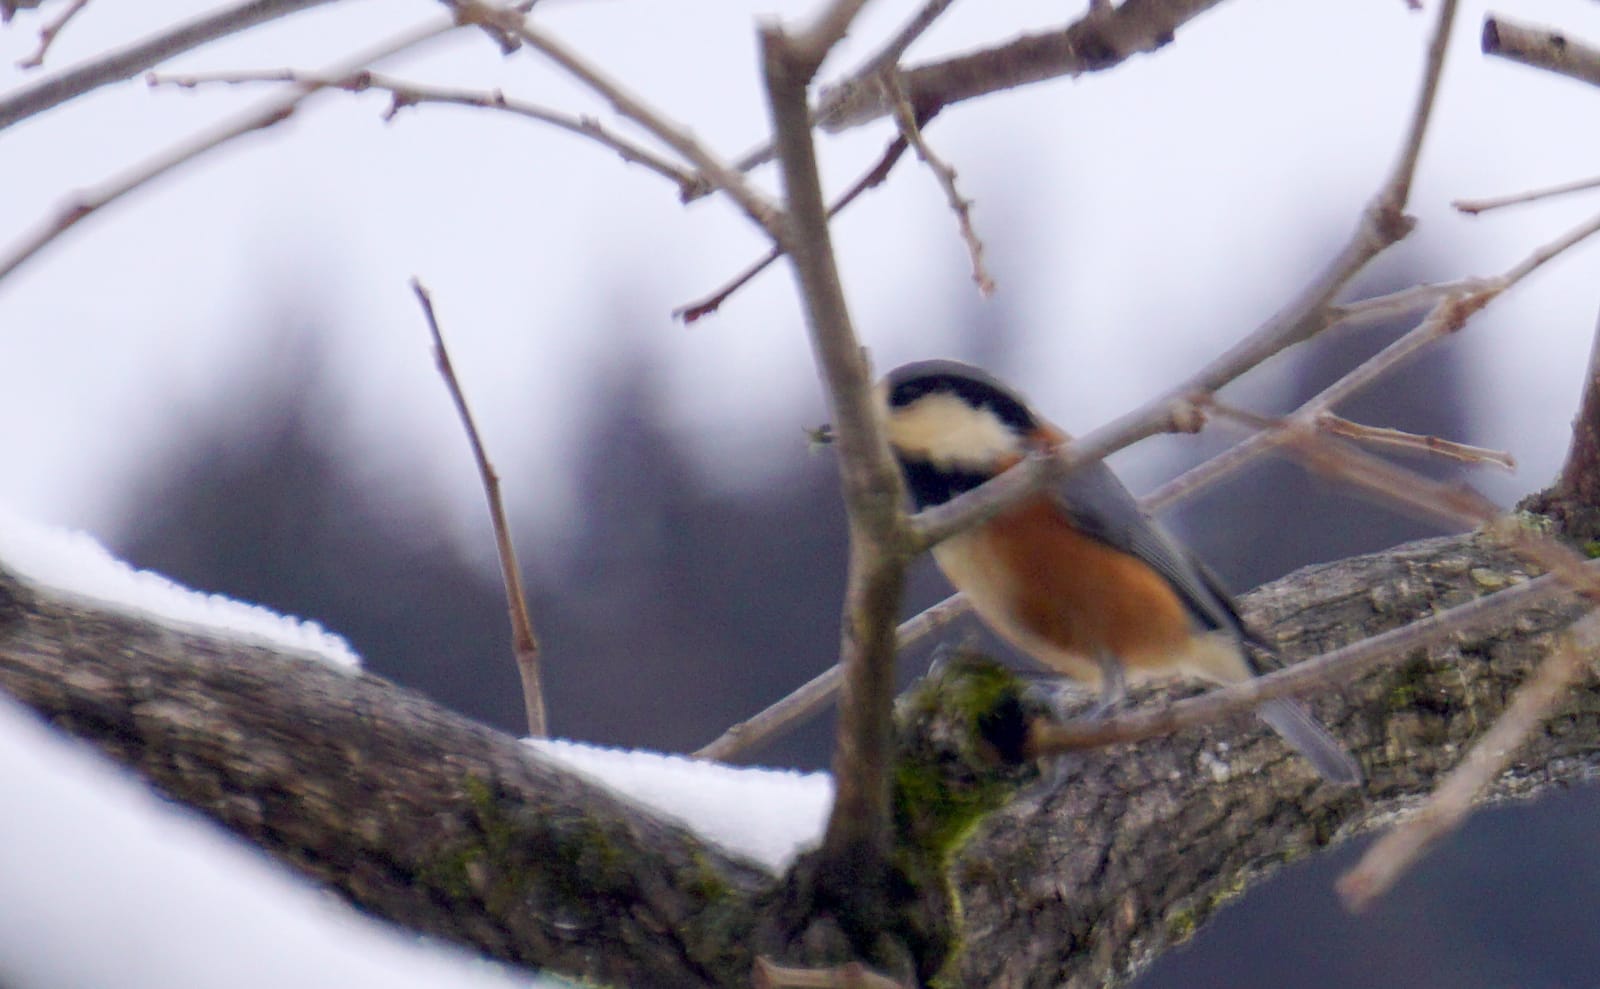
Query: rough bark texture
x=407, y=810
x=444, y=826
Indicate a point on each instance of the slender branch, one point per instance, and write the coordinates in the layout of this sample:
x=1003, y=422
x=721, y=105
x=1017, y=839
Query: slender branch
x=906, y=120
x=524, y=644
x=140, y=56
x=1379, y=308
x=1454, y=798
x=1452, y=504
x=1382, y=224
x=873, y=178
x=809, y=46
x=888, y=56
x=1311, y=676
x=1548, y=252
x=1541, y=48
x=49, y=33
x=1399, y=439
x=1458, y=301
x=815, y=694
x=885, y=58
x=1476, y=206
x=715, y=171
x=933, y=525
x=770, y=975
x=407, y=93
x=1398, y=190
x=263, y=116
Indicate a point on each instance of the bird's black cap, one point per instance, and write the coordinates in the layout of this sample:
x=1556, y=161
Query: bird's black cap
x=972, y=385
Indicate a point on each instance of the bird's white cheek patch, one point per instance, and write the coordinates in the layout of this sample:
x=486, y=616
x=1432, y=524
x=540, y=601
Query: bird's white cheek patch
x=948, y=432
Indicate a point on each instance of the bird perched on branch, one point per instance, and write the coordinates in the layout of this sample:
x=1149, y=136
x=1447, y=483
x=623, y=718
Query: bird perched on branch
x=1075, y=575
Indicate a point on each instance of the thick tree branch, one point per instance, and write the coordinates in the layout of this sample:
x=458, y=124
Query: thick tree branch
x=414, y=813
x=1102, y=39
x=452, y=829
x=1542, y=48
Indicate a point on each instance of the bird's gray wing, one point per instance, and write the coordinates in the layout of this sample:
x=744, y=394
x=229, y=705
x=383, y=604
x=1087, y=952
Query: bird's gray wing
x=1100, y=507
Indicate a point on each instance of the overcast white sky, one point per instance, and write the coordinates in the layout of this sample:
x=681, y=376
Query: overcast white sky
x=1135, y=219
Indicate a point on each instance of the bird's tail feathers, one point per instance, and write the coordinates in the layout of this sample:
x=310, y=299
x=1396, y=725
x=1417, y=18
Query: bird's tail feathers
x=1297, y=727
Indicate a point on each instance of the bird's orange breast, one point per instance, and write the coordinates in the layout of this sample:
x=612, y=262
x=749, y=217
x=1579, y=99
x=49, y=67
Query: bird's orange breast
x=1065, y=598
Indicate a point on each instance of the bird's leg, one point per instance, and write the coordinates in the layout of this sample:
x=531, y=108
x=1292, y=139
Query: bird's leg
x=1113, y=691
x=1113, y=686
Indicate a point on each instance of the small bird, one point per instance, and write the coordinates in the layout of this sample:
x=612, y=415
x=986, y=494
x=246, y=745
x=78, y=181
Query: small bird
x=1075, y=576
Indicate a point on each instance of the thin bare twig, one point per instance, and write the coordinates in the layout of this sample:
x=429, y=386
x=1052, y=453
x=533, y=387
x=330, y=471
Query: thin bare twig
x=1378, y=308
x=873, y=178
x=809, y=46
x=713, y=169
x=885, y=58
x=48, y=34
x=1476, y=206
x=1542, y=48
x=524, y=644
x=1391, y=855
x=1458, y=301
x=854, y=975
x=405, y=94
x=815, y=694
x=939, y=522
x=265, y=115
x=888, y=56
x=906, y=119
x=1399, y=439
x=53, y=90
x=1451, y=504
